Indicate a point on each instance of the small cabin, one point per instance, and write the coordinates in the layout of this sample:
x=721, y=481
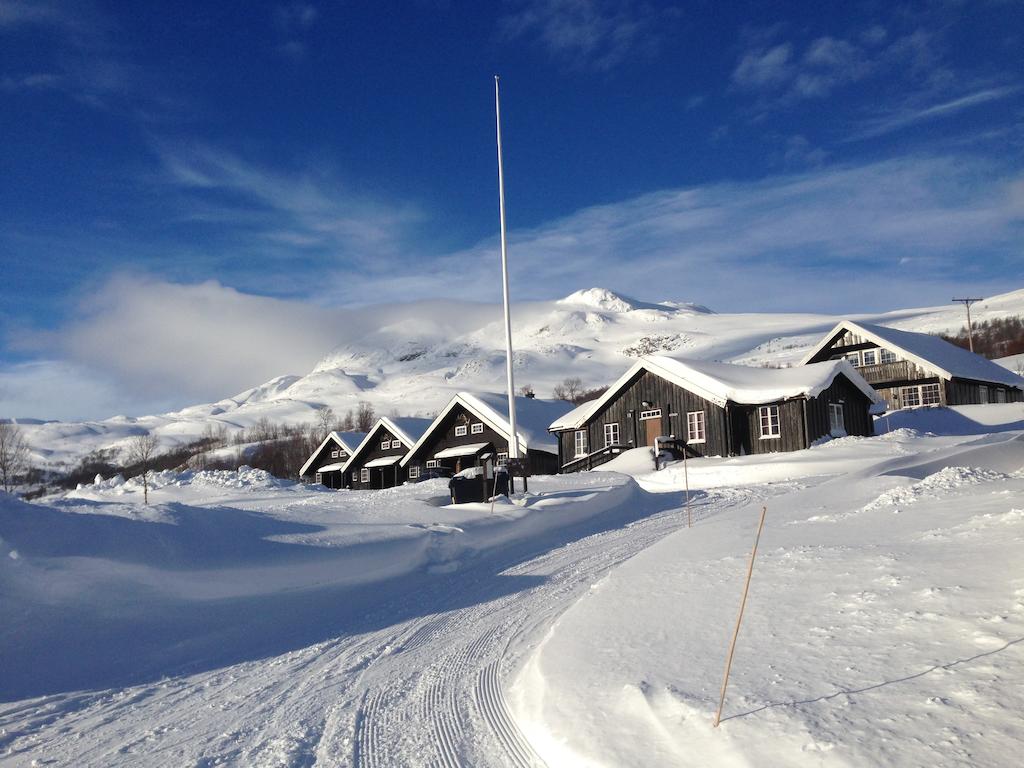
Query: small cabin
x=375, y=463
x=910, y=369
x=325, y=464
x=716, y=409
x=473, y=430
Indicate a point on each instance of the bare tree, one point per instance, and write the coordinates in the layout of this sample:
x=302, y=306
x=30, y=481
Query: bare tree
x=14, y=455
x=348, y=424
x=325, y=420
x=364, y=417
x=526, y=390
x=569, y=389
x=141, y=451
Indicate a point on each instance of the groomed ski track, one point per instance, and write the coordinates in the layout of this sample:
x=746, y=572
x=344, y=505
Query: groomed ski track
x=423, y=691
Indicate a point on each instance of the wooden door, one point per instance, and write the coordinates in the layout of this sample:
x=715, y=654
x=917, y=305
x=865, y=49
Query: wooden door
x=653, y=427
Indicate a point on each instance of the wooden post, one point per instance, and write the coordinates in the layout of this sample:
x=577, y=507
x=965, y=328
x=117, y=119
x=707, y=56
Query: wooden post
x=739, y=618
x=686, y=478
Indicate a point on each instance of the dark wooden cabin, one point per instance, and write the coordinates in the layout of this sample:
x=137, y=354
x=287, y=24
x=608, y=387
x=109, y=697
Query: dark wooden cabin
x=917, y=369
x=325, y=464
x=715, y=409
x=375, y=463
x=473, y=430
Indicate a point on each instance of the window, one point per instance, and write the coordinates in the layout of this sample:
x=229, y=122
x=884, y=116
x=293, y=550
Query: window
x=1000, y=395
x=502, y=459
x=836, y=420
x=983, y=394
x=460, y=430
x=477, y=429
x=695, y=427
x=654, y=414
x=870, y=357
x=364, y=475
x=355, y=478
x=433, y=463
x=385, y=445
x=853, y=357
x=319, y=478
x=611, y=434
x=334, y=454
x=581, y=442
x=396, y=444
x=769, y=418
x=925, y=394
x=885, y=356
x=414, y=471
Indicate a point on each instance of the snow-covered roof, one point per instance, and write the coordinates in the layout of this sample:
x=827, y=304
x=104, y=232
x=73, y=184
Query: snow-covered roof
x=931, y=352
x=382, y=461
x=343, y=440
x=408, y=429
x=460, y=450
x=722, y=383
x=532, y=418
x=331, y=467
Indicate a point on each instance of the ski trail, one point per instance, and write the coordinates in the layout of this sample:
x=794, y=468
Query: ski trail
x=423, y=691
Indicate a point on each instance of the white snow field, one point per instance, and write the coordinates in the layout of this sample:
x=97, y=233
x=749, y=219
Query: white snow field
x=431, y=351
x=242, y=620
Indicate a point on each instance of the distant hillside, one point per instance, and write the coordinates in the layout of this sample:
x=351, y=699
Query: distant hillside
x=995, y=338
x=412, y=367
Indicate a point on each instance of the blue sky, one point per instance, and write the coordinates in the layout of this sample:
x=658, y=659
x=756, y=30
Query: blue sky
x=161, y=159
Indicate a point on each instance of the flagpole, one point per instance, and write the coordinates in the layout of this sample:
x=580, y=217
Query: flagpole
x=513, y=443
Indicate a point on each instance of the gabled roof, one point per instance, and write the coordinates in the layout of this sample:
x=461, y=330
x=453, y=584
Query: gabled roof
x=937, y=355
x=722, y=383
x=407, y=429
x=532, y=418
x=342, y=439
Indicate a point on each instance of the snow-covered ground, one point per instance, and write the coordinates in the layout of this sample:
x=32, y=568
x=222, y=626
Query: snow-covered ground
x=414, y=366
x=243, y=620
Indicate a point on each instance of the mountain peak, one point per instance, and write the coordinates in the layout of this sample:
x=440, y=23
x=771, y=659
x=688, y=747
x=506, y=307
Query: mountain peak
x=610, y=301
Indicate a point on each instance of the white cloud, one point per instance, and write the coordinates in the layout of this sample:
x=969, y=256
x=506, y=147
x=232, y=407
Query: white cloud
x=905, y=117
x=588, y=34
x=764, y=67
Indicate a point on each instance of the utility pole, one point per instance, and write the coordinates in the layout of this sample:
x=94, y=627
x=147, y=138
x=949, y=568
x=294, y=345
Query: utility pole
x=970, y=329
x=513, y=440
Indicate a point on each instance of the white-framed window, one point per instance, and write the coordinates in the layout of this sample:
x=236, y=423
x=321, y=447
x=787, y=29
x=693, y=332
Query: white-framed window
x=885, y=356
x=836, y=419
x=870, y=356
x=414, y=471
x=652, y=414
x=695, y=429
x=1000, y=395
x=334, y=454
x=396, y=444
x=460, y=430
x=611, y=434
x=355, y=477
x=319, y=478
x=364, y=475
x=433, y=463
x=385, y=445
x=502, y=458
x=768, y=415
x=853, y=357
x=477, y=429
x=923, y=394
x=581, y=442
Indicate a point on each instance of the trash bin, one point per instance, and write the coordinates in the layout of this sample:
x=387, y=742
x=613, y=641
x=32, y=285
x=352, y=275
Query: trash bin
x=467, y=486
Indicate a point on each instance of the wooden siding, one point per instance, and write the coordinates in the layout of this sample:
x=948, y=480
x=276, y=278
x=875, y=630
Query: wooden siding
x=624, y=410
x=443, y=436
x=380, y=477
x=322, y=459
x=732, y=430
x=967, y=392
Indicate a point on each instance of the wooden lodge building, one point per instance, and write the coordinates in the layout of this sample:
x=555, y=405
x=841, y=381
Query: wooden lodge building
x=716, y=409
x=473, y=430
x=912, y=369
x=325, y=464
x=374, y=463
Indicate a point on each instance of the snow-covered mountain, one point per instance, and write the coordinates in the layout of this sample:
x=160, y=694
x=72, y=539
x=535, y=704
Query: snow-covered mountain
x=412, y=364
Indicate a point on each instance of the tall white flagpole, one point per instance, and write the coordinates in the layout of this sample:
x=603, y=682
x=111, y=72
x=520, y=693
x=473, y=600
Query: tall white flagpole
x=513, y=443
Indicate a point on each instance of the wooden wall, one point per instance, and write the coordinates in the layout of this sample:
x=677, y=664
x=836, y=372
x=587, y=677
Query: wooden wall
x=380, y=477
